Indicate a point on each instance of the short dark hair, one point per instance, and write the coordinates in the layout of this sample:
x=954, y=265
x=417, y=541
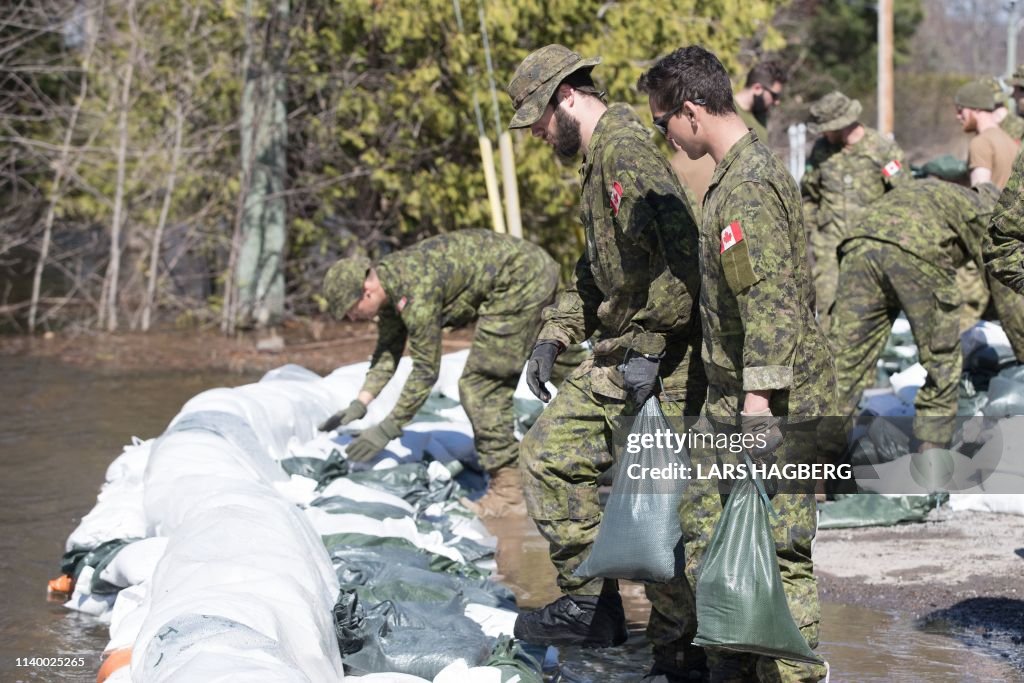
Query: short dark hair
x=767, y=74
x=581, y=81
x=689, y=74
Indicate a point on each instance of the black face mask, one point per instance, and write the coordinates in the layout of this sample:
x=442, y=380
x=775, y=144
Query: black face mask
x=567, y=135
x=759, y=109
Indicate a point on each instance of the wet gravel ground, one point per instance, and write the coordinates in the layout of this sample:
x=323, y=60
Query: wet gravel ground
x=960, y=573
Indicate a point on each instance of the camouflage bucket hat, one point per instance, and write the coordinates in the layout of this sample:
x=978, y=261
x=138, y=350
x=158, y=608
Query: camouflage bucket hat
x=834, y=111
x=976, y=95
x=343, y=284
x=1017, y=79
x=536, y=79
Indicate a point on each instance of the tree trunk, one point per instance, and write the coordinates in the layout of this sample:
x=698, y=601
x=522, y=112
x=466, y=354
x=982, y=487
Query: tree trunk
x=154, y=252
x=109, y=312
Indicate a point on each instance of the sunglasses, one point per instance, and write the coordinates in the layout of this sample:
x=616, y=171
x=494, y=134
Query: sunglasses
x=776, y=94
x=661, y=122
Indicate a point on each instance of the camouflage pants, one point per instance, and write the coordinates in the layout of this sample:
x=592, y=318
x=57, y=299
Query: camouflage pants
x=825, y=272
x=974, y=295
x=793, y=531
x=506, y=330
x=878, y=280
x=1008, y=307
x=562, y=457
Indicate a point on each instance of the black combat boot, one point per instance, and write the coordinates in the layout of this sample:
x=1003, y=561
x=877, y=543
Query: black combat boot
x=594, y=621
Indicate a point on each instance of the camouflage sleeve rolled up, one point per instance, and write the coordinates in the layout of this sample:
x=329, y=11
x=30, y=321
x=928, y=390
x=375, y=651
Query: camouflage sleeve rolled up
x=391, y=336
x=765, y=285
x=1004, y=248
x=573, y=316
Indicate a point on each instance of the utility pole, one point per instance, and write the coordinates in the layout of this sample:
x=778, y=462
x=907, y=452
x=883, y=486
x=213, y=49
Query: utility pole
x=1012, y=29
x=885, y=79
x=486, y=150
x=508, y=163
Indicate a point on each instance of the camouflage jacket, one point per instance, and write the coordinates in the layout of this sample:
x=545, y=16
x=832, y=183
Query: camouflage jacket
x=757, y=299
x=636, y=284
x=1014, y=126
x=942, y=223
x=838, y=183
x=1004, y=250
x=440, y=282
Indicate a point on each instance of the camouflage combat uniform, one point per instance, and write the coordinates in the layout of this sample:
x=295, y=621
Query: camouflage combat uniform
x=451, y=280
x=905, y=255
x=1004, y=251
x=838, y=185
x=635, y=287
x=756, y=305
x=1013, y=125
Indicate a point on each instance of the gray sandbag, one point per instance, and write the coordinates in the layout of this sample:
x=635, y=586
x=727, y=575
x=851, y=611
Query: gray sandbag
x=1005, y=398
x=640, y=537
x=409, y=638
x=339, y=505
x=741, y=604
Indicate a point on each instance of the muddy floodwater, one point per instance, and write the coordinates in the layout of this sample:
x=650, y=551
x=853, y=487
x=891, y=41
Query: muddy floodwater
x=61, y=426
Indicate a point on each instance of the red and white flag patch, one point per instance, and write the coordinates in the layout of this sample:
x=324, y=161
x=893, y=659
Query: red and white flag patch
x=615, y=194
x=401, y=304
x=892, y=168
x=731, y=236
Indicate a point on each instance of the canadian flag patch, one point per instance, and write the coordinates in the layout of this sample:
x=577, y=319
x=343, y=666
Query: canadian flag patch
x=401, y=304
x=615, y=195
x=892, y=168
x=731, y=236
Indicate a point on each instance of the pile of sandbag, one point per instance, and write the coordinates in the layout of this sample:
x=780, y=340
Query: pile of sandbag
x=240, y=543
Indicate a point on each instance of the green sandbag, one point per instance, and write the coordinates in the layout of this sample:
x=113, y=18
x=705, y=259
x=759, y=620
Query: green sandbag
x=741, y=605
x=640, y=537
x=872, y=509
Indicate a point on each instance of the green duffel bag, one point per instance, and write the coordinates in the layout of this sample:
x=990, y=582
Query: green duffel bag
x=741, y=605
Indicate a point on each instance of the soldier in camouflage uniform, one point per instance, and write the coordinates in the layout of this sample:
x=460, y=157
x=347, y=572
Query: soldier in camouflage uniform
x=904, y=255
x=1004, y=247
x=1009, y=120
x=851, y=165
x=765, y=356
x=450, y=280
x=634, y=293
x=761, y=92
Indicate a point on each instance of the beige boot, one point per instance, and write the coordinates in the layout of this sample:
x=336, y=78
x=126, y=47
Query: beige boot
x=504, y=495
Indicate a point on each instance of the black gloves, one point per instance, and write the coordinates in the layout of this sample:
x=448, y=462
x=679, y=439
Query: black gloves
x=765, y=436
x=640, y=376
x=538, y=370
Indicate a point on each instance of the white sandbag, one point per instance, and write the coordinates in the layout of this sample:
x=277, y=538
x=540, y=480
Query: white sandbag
x=460, y=672
x=1003, y=503
x=906, y=383
x=82, y=600
x=494, y=621
x=386, y=678
x=126, y=617
x=346, y=488
x=134, y=563
x=885, y=403
x=118, y=514
x=298, y=489
x=131, y=464
x=985, y=333
x=405, y=528
x=254, y=568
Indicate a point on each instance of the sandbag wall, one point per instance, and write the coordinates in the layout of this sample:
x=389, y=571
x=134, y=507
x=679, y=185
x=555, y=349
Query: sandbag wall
x=209, y=559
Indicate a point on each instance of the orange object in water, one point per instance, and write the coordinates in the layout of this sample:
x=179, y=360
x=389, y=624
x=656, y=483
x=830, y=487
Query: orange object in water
x=114, y=661
x=62, y=584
